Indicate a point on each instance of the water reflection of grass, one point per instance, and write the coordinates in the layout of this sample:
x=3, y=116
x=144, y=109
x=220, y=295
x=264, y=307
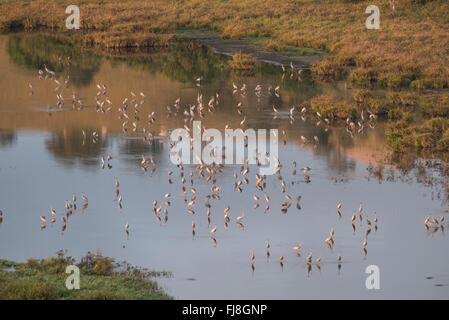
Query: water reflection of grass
x=71, y=149
x=33, y=51
x=245, y=63
x=180, y=61
x=185, y=61
x=100, y=278
x=7, y=138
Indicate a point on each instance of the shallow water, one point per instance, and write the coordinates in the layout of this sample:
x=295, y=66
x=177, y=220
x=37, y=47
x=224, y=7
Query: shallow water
x=44, y=160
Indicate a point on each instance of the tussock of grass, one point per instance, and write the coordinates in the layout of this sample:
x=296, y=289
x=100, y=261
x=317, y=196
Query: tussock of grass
x=328, y=70
x=274, y=46
x=243, y=62
x=332, y=108
x=432, y=135
x=100, y=278
x=362, y=96
x=435, y=105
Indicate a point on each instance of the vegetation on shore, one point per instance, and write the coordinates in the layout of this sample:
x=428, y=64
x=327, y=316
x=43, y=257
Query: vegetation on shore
x=415, y=122
x=100, y=279
x=410, y=49
x=433, y=134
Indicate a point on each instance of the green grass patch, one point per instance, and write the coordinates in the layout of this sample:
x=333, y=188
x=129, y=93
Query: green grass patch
x=331, y=108
x=100, y=278
x=432, y=135
x=435, y=105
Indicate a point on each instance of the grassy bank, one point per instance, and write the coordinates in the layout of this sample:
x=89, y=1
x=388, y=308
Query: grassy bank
x=410, y=49
x=100, y=278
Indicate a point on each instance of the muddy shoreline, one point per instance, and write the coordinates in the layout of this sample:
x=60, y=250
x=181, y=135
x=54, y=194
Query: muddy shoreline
x=230, y=47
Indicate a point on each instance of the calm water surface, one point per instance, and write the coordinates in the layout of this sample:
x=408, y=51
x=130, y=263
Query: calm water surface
x=44, y=160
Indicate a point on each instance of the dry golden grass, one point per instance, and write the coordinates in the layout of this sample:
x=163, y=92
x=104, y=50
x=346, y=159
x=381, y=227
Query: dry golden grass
x=410, y=49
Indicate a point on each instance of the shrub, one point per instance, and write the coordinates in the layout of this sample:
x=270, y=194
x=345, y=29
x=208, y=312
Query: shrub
x=328, y=69
x=97, y=264
x=363, y=77
x=395, y=80
x=435, y=106
x=332, y=108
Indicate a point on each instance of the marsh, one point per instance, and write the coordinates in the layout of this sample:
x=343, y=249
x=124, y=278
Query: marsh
x=51, y=151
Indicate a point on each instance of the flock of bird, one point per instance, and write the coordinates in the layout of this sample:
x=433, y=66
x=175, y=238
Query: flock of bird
x=432, y=225
x=130, y=115
x=70, y=208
